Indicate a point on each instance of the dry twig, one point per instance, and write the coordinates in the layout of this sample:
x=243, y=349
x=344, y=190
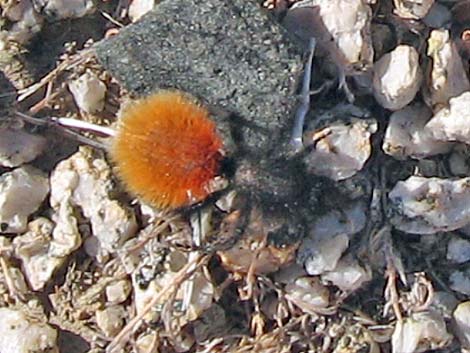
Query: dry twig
x=189, y=269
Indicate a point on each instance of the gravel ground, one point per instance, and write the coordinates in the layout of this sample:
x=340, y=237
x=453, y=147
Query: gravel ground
x=338, y=218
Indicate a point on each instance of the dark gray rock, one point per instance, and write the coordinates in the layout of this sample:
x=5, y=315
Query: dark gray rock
x=229, y=54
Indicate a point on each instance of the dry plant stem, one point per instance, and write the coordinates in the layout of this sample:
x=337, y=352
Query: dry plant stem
x=188, y=270
x=247, y=292
x=283, y=305
x=111, y=19
x=153, y=233
x=43, y=103
x=391, y=292
x=65, y=65
x=14, y=293
x=302, y=110
x=212, y=345
x=423, y=282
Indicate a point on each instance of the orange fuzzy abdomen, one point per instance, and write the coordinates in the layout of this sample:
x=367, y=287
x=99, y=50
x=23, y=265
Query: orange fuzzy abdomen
x=167, y=150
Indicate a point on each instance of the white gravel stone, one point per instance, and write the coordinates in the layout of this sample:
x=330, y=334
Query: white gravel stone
x=397, y=77
x=412, y=9
x=197, y=299
x=350, y=31
x=308, y=294
x=17, y=281
x=111, y=320
x=319, y=256
x=406, y=137
x=348, y=220
x=420, y=332
x=22, y=191
x=422, y=205
x=348, y=275
x=22, y=334
x=118, y=292
x=448, y=76
x=451, y=123
x=329, y=238
x=10, y=276
x=462, y=323
x=35, y=249
x=62, y=9
x=25, y=21
x=146, y=342
x=18, y=147
x=142, y=295
x=88, y=92
x=340, y=149
x=138, y=8
x=85, y=181
x=458, y=250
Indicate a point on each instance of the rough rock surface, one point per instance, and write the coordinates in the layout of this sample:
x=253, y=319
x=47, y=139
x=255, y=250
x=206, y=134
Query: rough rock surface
x=397, y=77
x=22, y=334
x=462, y=321
x=429, y=205
x=37, y=250
x=341, y=149
x=349, y=35
x=84, y=181
x=18, y=147
x=448, y=78
x=21, y=193
x=405, y=135
x=230, y=54
x=451, y=123
x=421, y=332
